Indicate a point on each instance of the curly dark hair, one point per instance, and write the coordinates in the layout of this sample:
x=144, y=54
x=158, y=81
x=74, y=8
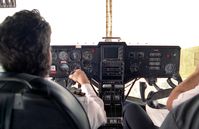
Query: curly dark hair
x=25, y=43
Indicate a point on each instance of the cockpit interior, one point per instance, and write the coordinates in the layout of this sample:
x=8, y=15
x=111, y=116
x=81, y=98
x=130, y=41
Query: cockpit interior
x=132, y=51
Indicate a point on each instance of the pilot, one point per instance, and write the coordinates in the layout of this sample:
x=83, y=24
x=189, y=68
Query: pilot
x=25, y=48
x=180, y=94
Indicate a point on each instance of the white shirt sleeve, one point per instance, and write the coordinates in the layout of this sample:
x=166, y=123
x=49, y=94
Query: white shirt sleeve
x=93, y=106
x=185, y=96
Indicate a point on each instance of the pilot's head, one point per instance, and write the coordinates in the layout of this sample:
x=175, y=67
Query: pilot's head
x=25, y=43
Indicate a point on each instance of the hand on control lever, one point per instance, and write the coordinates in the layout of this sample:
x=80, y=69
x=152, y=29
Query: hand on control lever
x=80, y=78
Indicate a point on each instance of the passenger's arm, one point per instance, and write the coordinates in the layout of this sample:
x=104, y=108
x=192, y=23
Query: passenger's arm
x=190, y=83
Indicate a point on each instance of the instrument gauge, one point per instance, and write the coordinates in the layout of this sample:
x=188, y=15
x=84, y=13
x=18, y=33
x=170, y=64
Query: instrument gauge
x=75, y=55
x=63, y=55
x=169, y=68
x=87, y=55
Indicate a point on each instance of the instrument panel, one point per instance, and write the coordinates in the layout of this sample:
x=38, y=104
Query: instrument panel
x=152, y=61
x=67, y=58
x=112, y=65
x=107, y=58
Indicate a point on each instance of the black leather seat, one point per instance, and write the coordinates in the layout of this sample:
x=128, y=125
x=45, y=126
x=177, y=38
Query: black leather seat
x=184, y=116
x=30, y=102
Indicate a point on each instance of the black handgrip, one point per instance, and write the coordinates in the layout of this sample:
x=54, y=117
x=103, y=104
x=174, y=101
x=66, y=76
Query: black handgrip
x=143, y=87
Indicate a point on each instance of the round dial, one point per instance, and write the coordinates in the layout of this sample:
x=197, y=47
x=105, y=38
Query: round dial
x=63, y=55
x=75, y=55
x=64, y=67
x=87, y=55
x=170, y=68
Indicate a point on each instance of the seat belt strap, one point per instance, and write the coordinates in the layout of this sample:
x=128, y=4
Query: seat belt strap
x=6, y=105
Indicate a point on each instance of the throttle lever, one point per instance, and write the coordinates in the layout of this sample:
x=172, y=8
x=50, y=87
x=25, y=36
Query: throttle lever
x=74, y=90
x=70, y=82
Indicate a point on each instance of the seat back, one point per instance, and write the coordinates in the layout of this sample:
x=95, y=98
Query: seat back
x=184, y=116
x=31, y=102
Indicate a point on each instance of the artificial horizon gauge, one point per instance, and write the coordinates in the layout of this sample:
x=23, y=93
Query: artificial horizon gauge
x=87, y=55
x=63, y=55
x=75, y=55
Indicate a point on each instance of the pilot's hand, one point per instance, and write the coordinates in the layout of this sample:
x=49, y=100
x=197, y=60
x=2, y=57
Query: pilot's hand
x=79, y=76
